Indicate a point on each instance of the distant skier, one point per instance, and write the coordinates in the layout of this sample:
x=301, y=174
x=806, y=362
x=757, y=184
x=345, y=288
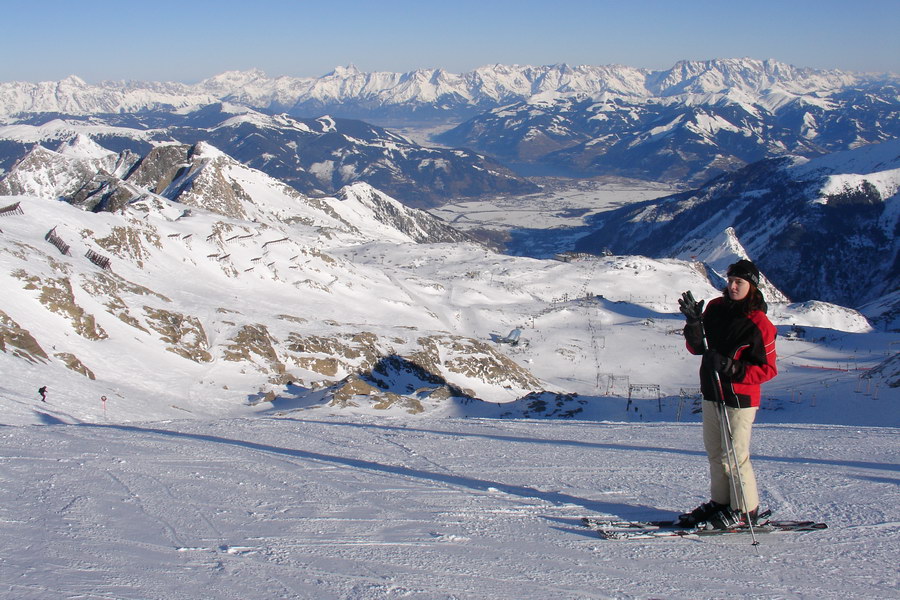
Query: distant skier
x=43, y=392
x=741, y=350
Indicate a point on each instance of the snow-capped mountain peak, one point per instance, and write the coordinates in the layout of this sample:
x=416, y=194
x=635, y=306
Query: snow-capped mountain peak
x=747, y=74
x=342, y=72
x=718, y=253
x=82, y=146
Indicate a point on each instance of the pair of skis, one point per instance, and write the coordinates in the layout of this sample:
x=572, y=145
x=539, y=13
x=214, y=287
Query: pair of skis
x=617, y=529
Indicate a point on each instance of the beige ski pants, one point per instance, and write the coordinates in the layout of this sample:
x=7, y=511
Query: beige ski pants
x=722, y=489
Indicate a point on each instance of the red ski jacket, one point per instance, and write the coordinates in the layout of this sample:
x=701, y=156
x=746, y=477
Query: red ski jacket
x=747, y=339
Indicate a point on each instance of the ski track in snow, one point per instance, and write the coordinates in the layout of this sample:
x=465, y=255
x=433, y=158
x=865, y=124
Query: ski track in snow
x=313, y=505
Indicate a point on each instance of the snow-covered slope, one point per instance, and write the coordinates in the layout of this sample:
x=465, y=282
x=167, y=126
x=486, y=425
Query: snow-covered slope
x=314, y=506
x=210, y=313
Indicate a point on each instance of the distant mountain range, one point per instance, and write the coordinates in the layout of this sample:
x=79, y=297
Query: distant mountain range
x=314, y=156
x=690, y=124
x=684, y=124
x=349, y=92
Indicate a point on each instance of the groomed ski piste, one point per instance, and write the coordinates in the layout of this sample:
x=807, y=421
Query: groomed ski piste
x=177, y=487
x=315, y=505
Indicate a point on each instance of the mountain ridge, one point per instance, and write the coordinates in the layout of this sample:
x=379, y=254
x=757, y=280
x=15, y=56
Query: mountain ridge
x=822, y=228
x=487, y=85
x=315, y=156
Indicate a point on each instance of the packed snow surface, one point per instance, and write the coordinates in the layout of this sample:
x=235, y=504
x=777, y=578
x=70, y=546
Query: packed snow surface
x=308, y=504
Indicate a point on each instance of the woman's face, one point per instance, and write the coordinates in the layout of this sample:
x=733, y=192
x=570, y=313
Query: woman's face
x=738, y=288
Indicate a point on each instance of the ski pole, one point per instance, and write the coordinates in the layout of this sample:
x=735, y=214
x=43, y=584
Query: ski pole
x=728, y=440
x=735, y=465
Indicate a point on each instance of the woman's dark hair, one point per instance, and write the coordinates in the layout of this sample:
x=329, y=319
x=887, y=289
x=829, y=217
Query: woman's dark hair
x=754, y=300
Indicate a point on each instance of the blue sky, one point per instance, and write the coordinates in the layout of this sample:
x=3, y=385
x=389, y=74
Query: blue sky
x=188, y=40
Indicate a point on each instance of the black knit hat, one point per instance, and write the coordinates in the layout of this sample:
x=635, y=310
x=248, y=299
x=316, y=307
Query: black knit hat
x=745, y=270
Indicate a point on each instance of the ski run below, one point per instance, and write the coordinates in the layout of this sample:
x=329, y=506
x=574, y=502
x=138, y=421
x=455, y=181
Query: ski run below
x=310, y=504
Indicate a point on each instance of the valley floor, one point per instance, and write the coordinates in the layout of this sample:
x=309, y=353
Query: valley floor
x=542, y=224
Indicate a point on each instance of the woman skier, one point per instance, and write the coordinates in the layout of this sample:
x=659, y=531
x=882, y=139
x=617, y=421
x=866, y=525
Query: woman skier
x=737, y=342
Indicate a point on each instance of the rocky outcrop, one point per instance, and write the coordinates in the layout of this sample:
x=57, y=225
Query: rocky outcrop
x=183, y=333
x=18, y=341
x=57, y=296
x=73, y=363
x=473, y=360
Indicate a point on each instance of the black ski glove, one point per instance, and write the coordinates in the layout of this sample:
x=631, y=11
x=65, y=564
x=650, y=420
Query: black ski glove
x=693, y=335
x=690, y=308
x=726, y=367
